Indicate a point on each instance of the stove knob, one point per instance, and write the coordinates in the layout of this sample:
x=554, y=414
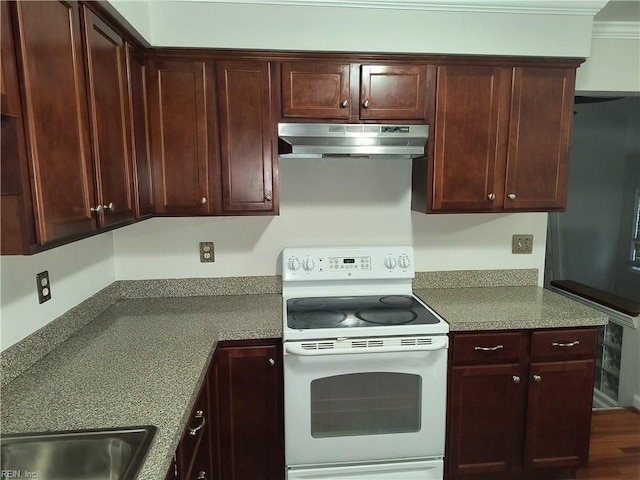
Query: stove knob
x=308, y=264
x=293, y=264
x=390, y=263
x=403, y=261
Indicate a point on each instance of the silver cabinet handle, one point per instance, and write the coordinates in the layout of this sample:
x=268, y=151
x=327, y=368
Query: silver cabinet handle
x=537, y=378
x=202, y=475
x=97, y=209
x=344, y=104
x=489, y=349
x=199, y=414
x=512, y=196
x=203, y=200
x=570, y=344
x=272, y=362
x=365, y=104
x=267, y=197
x=109, y=208
x=516, y=379
x=491, y=196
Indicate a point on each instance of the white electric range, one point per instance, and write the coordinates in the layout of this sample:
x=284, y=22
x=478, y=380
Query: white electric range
x=365, y=366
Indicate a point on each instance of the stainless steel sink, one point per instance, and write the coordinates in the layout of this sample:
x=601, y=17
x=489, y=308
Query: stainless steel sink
x=106, y=454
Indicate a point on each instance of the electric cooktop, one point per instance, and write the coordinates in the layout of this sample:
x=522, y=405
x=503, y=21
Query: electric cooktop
x=357, y=311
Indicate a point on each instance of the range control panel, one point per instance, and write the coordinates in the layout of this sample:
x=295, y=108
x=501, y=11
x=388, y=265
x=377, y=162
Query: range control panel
x=343, y=263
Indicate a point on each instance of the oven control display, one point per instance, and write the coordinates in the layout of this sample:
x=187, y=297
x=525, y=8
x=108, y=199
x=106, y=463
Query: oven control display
x=349, y=263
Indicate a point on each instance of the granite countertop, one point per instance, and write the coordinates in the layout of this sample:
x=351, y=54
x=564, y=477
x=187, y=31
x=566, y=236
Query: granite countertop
x=141, y=362
x=508, y=308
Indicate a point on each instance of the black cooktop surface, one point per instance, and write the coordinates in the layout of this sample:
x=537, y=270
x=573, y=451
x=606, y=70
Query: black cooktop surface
x=356, y=311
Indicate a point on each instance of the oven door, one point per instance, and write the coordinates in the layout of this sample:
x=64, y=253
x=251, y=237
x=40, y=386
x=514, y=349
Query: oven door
x=366, y=401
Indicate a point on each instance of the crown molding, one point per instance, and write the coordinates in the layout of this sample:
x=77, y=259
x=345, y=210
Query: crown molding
x=619, y=30
x=538, y=7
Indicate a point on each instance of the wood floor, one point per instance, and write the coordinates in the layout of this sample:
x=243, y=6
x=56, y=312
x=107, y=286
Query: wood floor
x=614, y=453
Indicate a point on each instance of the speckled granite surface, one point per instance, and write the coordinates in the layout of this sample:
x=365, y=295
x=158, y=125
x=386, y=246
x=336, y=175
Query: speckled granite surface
x=507, y=308
x=140, y=362
x=19, y=357
x=475, y=278
x=195, y=287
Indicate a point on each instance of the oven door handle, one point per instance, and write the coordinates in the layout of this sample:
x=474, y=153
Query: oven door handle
x=337, y=348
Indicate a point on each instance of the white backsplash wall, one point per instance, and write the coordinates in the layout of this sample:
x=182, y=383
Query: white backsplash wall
x=76, y=272
x=324, y=202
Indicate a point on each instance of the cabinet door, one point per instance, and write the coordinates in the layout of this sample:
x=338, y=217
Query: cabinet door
x=193, y=455
x=51, y=56
x=143, y=177
x=179, y=136
x=470, y=134
x=250, y=413
x=316, y=90
x=109, y=120
x=246, y=137
x=539, y=136
x=397, y=92
x=17, y=229
x=559, y=414
x=484, y=419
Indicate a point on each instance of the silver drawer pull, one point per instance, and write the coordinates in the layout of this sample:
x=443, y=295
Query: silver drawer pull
x=194, y=430
x=570, y=344
x=489, y=349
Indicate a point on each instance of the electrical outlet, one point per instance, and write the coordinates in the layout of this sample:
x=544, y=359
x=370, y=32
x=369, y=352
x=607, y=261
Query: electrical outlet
x=44, y=286
x=206, y=252
x=522, y=243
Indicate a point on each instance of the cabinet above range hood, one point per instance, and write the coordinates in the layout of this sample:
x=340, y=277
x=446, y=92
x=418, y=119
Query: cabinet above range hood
x=354, y=139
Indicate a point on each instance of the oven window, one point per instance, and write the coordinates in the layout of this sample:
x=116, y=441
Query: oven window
x=365, y=404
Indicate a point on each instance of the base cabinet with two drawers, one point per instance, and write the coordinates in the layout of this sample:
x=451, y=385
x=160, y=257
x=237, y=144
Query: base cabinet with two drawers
x=519, y=403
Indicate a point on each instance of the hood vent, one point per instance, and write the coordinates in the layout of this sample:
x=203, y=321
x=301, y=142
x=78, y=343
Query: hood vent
x=340, y=140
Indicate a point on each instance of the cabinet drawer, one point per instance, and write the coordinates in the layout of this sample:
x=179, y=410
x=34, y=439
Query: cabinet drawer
x=566, y=343
x=486, y=347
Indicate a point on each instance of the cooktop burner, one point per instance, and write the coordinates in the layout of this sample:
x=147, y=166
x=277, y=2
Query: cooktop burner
x=356, y=311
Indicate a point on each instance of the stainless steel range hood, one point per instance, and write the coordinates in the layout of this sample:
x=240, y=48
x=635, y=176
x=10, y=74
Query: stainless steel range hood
x=366, y=140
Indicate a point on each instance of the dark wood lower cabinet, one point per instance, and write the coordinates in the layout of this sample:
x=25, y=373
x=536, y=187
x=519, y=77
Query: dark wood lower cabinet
x=527, y=417
x=241, y=409
x=250, y=410
x=487, y=406
x=192, y=460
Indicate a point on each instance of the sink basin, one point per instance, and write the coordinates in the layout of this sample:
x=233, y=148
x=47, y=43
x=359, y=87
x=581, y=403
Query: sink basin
x=105, y=454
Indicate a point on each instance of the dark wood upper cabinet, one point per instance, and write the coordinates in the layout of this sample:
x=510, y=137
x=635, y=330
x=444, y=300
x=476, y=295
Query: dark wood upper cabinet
x=109, y=120
x=539, y=137
x=355, y=92
x=179, y=136
x=17, y=228
x=247, y=138
x=469, y=140
x=316, y=90
x=59, y=151
x=138, y=111
x=99, y=129
x=393, y=92
x=501, y=139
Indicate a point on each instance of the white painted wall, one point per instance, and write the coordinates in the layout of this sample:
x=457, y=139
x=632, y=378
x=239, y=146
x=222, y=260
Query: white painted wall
x=293, y=27
x=137, y=14
x=76, y=272
x=328, y=201
x=613, y=67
